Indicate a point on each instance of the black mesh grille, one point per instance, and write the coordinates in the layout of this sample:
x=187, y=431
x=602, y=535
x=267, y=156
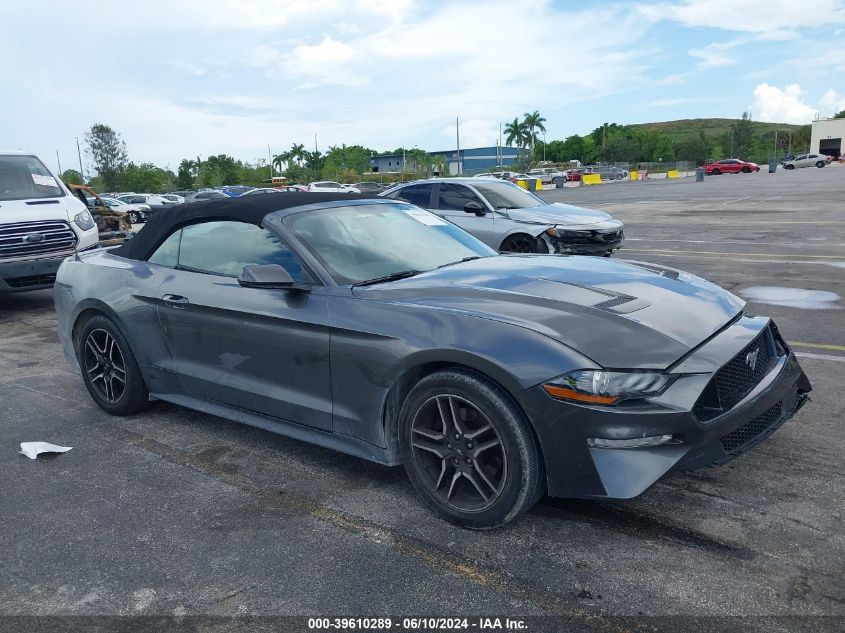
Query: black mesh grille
x=748, y=434
x=31, y=281
x=738, y=377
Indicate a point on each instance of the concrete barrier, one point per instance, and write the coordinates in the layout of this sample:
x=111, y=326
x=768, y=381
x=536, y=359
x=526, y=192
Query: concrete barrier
x=634, y=175
x=672, y=173
x=591, y=179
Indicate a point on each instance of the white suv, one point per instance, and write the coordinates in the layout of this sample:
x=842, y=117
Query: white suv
x=807, y=160
x=41, y=223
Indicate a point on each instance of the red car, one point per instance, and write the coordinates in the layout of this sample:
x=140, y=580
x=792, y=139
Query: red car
x=574, y=174
x=730, y=166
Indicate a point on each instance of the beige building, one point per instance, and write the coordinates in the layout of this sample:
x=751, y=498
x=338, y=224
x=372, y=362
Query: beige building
x=826, y=137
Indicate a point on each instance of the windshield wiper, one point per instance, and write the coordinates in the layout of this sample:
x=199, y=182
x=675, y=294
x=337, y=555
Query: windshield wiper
x=461, y=261
x=402, y=274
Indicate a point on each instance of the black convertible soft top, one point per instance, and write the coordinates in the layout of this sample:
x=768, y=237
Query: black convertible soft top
x=250, y=209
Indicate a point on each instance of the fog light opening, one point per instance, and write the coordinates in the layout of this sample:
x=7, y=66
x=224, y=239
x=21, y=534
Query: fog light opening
x=635, y=442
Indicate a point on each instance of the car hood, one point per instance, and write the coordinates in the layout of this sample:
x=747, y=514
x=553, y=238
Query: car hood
x=620, y=314
x=558, y=213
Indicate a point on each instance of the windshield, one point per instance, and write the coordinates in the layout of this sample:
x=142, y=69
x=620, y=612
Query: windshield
x=503, y=195
x=364, y=242
x=26, y=177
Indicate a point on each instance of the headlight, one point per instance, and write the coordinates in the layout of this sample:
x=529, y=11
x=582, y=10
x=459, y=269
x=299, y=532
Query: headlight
x=607, y=387
x=84, y=220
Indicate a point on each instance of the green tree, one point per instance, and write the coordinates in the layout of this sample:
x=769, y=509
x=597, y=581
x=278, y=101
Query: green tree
x=664, y=150
x=516, y=134
x=839, y=115
x=341, y=158
x=107, y=152
x=187, y=172
x=742, y=136
x=533, y=122
x=146, y=178
x=72, y=177
x=694, y=148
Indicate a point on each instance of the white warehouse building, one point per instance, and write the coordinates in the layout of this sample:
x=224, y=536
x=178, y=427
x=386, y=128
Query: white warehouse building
x=826, y=137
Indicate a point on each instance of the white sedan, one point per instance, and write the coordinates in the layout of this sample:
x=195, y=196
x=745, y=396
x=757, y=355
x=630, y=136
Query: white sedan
x=328, y=186
x=807, y=160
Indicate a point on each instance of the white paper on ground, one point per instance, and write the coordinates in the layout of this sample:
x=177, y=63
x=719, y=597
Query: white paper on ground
x=33, y=449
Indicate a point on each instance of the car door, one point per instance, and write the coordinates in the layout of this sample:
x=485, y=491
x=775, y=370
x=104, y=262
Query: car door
x=262, y=350
x=451, y=200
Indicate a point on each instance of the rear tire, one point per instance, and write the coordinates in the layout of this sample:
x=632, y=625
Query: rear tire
x=820, y=164
x=109, y=369
x=469, y=450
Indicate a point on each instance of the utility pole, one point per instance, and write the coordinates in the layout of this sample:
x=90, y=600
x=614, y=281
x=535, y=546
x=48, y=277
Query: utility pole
x=59, y=161
x=458, y=143
x=79, y=155
x=544, y=147
x=315, y=143
x=270, y=157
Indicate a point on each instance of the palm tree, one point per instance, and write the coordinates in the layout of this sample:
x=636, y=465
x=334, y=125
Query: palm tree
x=297, y=153
x=280, y=159
x=516, y=133
x=533, y=122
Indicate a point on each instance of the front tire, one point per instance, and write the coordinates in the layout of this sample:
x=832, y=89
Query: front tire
x=789, y=166
x=746, y=170
x=469, y=451
x=133, y=217
x=109, y=369
x=522, y=244
x=716, y=172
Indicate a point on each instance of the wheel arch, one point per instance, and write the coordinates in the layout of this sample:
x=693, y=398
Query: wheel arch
x=421, y=367
x=90, y=308
x=523, y=232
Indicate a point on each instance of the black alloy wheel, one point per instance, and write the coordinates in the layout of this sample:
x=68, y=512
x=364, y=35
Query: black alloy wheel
x=469, y=450
x=109, y=369
x=104, y=365
x=520, y=244
x=458, y=453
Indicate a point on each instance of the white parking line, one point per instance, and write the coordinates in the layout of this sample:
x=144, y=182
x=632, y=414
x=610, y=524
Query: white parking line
x=838, y=359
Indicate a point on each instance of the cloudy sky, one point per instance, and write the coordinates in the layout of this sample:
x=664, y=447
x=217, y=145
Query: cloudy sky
x=181, y=78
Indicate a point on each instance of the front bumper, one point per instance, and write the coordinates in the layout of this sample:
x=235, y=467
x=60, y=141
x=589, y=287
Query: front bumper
x=587, y=242
x=35, y=274
x=575, y=470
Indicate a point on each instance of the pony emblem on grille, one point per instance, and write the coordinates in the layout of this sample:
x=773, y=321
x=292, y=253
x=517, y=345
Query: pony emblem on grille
x=751, y=359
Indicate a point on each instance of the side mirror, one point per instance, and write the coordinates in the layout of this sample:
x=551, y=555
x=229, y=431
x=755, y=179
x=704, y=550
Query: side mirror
x=475, y=207
x=270, y=276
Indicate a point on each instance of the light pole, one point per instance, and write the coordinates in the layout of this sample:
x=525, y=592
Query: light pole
x=544, y=147
x=79, y=155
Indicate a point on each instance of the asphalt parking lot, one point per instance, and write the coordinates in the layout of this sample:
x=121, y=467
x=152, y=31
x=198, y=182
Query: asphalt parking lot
x=173, y=512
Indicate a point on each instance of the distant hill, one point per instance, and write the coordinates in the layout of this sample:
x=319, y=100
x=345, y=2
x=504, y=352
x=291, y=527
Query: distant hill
x=684, y=128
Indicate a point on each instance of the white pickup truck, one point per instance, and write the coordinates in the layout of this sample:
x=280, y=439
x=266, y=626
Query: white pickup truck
x=41, y=223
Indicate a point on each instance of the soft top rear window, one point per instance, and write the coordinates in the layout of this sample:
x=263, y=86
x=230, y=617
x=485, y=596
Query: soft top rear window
x=25, y=177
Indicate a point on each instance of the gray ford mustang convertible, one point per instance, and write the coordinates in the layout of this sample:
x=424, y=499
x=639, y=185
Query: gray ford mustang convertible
x=380, y=329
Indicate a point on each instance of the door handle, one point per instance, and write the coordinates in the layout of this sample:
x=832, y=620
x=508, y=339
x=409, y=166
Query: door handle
x=175, y=301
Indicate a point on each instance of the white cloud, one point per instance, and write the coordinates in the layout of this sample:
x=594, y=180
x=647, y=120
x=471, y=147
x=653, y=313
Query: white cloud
x=673, y=80
x=832, y=102
x=770, y=103
x=755, y=16
x=714, y=55
x=328, y=51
